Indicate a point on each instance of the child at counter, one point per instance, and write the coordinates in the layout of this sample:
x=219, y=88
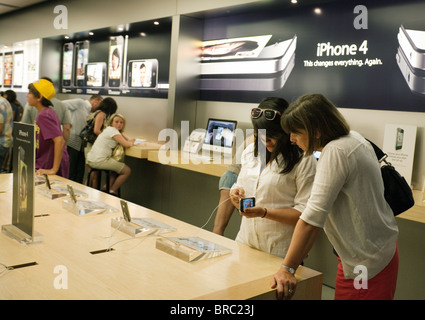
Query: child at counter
x=99, y=157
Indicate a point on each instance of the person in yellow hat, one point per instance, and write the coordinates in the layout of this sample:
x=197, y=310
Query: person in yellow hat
x=51, y=157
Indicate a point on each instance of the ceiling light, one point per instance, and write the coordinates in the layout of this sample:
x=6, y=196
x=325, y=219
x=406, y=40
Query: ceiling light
x=318, y=11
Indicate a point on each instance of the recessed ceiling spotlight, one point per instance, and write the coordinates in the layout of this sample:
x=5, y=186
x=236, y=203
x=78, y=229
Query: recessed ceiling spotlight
x=66, y=37
x=318, y=11
x=294, y=1
x=142, y=34
x=156, y=23
x=91, y=33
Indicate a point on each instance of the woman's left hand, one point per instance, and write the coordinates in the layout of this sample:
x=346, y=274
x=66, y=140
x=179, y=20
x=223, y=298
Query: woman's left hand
x=253, y=212
x=284, y=283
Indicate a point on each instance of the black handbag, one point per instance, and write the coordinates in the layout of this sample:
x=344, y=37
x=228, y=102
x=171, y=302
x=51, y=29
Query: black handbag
x=397, y=191
x=87, y=134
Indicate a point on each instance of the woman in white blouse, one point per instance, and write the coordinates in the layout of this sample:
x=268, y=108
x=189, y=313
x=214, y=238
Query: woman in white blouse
x=99, y=157
x=276, y=173
x=347, y=201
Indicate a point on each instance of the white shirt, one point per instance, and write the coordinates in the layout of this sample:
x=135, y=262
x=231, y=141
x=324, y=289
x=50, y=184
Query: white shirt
x=272, y=190
x=104, y=145
x=79, y=110
x=347, y=200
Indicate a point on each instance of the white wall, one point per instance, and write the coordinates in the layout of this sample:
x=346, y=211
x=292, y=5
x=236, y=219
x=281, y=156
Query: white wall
x=145, y=117
x=84, y=15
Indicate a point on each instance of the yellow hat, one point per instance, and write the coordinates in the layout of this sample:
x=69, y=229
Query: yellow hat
x=45, y=87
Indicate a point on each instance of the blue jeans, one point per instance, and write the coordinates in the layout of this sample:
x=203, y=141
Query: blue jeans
x=3, y=154
x=227, y=180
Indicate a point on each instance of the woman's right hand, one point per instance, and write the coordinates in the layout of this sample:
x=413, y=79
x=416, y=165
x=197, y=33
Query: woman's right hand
x=235, y=195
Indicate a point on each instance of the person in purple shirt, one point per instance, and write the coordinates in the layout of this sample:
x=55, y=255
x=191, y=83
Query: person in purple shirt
x=51, y=155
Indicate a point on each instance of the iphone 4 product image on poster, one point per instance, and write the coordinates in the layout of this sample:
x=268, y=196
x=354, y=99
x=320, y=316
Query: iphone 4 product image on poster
x=268, y=70
x=233, y=48
x=415, y=78
x=68, y=54
x=412, y=42
x=116, y=45
x=399, y=139
x=18, y=66
x=1, y=69
x=143, y=74
x=95, y=74
x=82, y=52
x=8, y=69
x=272, y=58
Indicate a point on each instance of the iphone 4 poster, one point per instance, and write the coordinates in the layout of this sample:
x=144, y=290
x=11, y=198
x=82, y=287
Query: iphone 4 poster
x=399, y=145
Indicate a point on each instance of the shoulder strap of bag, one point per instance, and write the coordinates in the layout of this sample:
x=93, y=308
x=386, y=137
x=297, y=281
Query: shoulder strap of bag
x=381, y=155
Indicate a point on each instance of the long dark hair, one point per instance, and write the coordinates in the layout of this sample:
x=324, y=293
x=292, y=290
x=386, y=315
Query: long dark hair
x=108, y=105
x=291, y=153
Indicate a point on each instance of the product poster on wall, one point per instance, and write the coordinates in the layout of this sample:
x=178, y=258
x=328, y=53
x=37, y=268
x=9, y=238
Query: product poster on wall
x=369, y=56
x=399, y=145
x=132, y=63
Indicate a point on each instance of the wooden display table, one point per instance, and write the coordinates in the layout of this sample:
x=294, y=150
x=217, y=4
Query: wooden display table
x=190, y=162
x=141, y=150
x=69, y=267
x=417, y=212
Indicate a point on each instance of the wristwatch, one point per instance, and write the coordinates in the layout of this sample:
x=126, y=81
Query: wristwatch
x=289, y=269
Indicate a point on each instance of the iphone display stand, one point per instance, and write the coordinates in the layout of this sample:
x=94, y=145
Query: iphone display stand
x=17, y=234
x=191, y=249
x=132, y=228
x=50, y=193
x=82, y=207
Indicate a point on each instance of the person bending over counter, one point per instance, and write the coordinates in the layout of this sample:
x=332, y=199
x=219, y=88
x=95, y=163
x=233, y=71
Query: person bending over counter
x=276, y=173
x=347, y=201
x=99, y=156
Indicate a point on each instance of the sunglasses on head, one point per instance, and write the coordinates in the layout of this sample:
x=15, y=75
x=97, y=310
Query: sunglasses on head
x=269, y=114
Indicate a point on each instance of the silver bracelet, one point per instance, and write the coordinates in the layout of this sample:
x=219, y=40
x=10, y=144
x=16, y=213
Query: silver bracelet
x=289, y=269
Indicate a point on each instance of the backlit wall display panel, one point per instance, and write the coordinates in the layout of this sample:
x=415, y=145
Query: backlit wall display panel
x=18, y=66
x=372, y=59
x=8, y=69
x=132, y=63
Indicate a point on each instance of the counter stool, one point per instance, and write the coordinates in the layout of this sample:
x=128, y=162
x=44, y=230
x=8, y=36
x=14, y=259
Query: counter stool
x=97, y=173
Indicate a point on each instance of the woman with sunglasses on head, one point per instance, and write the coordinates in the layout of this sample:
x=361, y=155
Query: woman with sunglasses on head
x=276, y=173
x=347, y=201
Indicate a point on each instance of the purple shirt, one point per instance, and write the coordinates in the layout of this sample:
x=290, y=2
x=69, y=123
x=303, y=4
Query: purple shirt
x=47, y=127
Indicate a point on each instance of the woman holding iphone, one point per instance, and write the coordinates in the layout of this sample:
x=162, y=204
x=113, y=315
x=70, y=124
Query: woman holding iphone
x=278, y=176
x=347, y=201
